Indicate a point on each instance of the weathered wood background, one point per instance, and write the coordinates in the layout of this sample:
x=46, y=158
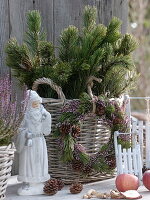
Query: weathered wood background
x=56, y=15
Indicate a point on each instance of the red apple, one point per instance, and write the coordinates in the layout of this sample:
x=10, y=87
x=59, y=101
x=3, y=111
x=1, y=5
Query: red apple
x=126, y=182
x=146, y=179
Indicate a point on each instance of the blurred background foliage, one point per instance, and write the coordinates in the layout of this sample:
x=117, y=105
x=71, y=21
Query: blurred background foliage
x=139, y=26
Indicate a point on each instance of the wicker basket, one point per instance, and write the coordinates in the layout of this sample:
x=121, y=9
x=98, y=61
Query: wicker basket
x=6, y=160
x=93, y=135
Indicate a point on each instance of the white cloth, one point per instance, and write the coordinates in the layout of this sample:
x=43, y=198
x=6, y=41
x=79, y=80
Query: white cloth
x=30, y=143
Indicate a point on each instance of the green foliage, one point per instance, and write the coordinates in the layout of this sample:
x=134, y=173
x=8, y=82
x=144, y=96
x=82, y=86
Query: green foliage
x=89, y=18
x=113, y=30
x=56, y=133
x=35, y=57
x=110, y=109
x=34, y=34
x=68, y=40
x=69, y=116
x=96, y=50
x=101, y=166
x=85, y=105
x=99, y=51
x=125, y=144
x=113, y=87
x=68, y=148
x=63, y=71
x=127, y=45
x=84, y=157
x=6, y=134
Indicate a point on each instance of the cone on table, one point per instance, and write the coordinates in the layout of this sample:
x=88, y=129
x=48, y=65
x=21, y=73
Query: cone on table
x=51, y=187
x=60, y=184
x=76, y=188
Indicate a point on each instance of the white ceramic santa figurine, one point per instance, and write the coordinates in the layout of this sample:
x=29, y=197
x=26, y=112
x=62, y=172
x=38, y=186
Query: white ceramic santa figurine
x=31, y=146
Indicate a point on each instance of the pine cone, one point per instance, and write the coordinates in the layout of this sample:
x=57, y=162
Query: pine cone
x=76, y=188
x=100, y=110
x=118, y=120
x=60, y=184
x=111, y=161
x=65, y=128
x=87, y=169
x=77, y=165
x=75, y=131
x=51, y=187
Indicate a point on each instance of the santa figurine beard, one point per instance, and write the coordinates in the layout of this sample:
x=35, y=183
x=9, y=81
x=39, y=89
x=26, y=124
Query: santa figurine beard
x=31, y=146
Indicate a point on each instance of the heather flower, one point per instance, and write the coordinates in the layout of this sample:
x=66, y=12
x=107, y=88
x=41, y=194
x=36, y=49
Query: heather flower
x=80, y=147
x=11, y=113
x=71, y=106
x=100, y=108
x=78, y=150
x=81, y=117
x=117, y=107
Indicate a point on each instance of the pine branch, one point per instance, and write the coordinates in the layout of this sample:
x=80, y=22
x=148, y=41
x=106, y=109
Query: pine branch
x=98, y=34
x=60, y=73
x=34, y=34
x=89, y=18
x=17, y=56
x=68, y=148
x=117, y=81
x=122, y=61
x=114, y=25
x=34, y=58
x=113, y=30
x=68, y=41
x=127, y=45
x=46, y=51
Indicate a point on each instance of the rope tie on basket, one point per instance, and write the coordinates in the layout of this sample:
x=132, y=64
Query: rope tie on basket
x=53, y=85
x=89, y=89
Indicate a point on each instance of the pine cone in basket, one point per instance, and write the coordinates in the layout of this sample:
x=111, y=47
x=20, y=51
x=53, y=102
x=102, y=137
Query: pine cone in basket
x=77, y=165
x=111, y=162
x=65, y=128
x=51, y=187
x=60, y=184
x=87, y=169
x=76, y=188
x=75, y=131
x=100, y=109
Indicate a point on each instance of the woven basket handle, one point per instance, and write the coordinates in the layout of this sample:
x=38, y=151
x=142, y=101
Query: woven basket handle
x=89, y=88
x=53, y=85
